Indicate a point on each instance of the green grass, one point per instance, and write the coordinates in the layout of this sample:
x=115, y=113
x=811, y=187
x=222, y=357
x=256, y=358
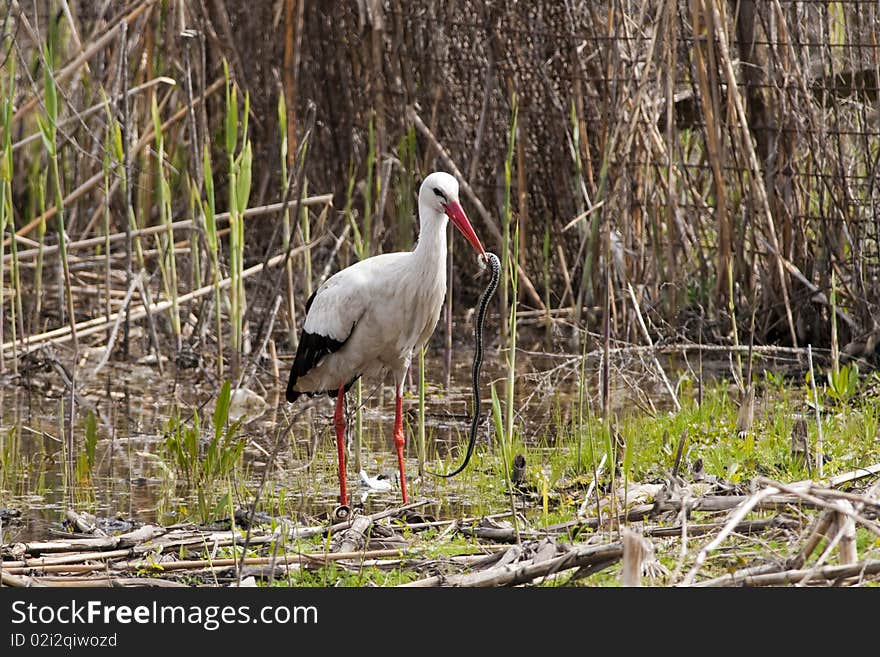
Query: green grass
x=202, y=455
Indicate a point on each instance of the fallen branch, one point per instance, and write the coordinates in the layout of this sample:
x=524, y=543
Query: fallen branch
x=511, y=575
x=826, y=573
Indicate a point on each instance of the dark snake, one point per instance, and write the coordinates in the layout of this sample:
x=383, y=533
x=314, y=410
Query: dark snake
x=495, y=265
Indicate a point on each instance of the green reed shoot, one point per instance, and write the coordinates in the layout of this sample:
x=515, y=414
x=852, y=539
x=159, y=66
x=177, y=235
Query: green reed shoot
x=239, y=194
x=48, y=133
x=357, y=240
x=106, y=167
x=85, y=461
x=506, y=455
x=731, y=308
x=195, y=247
x=16, y=311
x=213, y=241
x=5, y=201
x=835, y=347
x=40, y=186
x=205, y=462
x=168, y=260
x=510, y=278
x=306, y=229
x=113, y=157
x=406, y=149
x=287, y=232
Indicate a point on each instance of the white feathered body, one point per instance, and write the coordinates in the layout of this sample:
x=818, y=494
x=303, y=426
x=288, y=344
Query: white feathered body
x=382, y=309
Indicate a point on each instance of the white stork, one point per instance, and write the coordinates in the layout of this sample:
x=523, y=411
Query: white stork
x=367, y=319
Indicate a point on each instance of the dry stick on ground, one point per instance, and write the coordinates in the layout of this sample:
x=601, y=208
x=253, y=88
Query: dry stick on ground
x=847, y=528
x=91, y=582
x=510, y=575
x=745, y=527
x=75, y=564
x=773, y=488
x=353, y=539
x=844, y=529
x=827, y=573
x=129, y=539
x=736, y=517
x=707, y=503
x=815, y=535
x=812, y=496
x=633, y=553
x=310, y=532
x=478, y=204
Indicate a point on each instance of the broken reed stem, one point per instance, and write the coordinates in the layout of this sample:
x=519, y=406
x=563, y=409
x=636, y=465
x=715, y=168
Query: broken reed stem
x=111, y=340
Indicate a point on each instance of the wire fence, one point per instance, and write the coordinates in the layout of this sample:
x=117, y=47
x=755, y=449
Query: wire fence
x=720, y=156
x=727, y=148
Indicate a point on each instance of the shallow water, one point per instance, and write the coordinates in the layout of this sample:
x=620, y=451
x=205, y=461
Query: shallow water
x=130, y=479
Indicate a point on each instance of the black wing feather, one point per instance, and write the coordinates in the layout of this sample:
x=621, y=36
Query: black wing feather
x=311, y=349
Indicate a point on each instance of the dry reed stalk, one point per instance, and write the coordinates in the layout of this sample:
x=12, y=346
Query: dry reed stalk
x=756, y=177
x=88, y=243
x=647, y=336
x=74, y=65
x=99, y=324
x=633, y=553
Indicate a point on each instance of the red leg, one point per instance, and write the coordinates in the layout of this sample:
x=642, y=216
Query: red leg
x=400, y=442
x=339, y=424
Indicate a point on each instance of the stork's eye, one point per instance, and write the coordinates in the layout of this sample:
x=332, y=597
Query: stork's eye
x=440, y=194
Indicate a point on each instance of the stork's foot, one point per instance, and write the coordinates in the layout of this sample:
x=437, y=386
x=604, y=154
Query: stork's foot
x=341, y=513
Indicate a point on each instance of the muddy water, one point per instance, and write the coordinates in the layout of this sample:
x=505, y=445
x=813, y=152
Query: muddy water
x=132, y=480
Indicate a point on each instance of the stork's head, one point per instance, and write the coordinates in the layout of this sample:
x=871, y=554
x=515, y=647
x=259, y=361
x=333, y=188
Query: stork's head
x=439, y=192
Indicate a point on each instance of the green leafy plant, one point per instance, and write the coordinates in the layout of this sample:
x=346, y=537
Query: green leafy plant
x=206, y=462
x=844, y=383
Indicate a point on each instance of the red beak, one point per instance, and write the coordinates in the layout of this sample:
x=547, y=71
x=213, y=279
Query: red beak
x=456, y=214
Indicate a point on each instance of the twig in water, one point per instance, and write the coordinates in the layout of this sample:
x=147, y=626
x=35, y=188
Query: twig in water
x=137, y=282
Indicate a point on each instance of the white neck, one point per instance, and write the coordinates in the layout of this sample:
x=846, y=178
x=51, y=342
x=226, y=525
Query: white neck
x=432, y=236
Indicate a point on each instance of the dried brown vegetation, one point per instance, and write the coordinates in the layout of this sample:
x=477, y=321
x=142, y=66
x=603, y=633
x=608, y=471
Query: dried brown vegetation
x=721, y=157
